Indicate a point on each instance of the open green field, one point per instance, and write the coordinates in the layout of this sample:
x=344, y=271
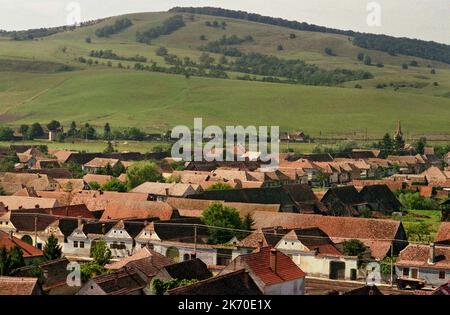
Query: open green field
x=432, y=218
x=130, y=146
x=156, y=102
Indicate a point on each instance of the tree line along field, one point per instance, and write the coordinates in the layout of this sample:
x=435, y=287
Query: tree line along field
x=156, y=101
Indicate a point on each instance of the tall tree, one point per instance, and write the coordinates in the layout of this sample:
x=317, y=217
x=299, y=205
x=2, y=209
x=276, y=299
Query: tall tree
x=107, y=131
x=53, y=125
x=52, y=250
x=218, y=215
x=100, y=253
x=142, y=172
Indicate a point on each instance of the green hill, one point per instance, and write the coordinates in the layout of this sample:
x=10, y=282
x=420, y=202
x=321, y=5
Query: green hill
x=43, y=79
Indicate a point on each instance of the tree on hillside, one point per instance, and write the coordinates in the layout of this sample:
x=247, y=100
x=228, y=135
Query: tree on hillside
x=6, y=134
x=360, y=56
x=35, y=131
x=218, y=215
x=162, y=51
x=107, y=132
x=53, y=125
x=52, y=250
x=72, y=132
x=367, y=60
x=142, y=172
x=23, y=129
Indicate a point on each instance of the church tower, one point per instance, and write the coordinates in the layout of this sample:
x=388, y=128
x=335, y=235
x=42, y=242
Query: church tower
x=398, y=134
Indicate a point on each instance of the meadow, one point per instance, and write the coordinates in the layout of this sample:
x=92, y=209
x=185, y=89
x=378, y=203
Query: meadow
x=156, y=102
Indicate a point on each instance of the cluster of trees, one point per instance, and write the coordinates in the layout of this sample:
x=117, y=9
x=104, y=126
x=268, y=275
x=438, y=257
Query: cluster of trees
x=216, y=24
x=183, y=70
x=390, y=146
x=295, y=70
x=220, y=46
x=7, y=162
x=241, y=15
x=32, y=34
x=117, y=27
x=109, y=54
x=227, y=221
x=390, y=44
x=412, y=200
x=101, y=255
x=329, y=52
x=168, y=27
x=404, y=46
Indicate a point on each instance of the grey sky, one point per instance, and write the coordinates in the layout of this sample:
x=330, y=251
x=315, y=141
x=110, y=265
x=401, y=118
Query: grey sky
x=424, y=19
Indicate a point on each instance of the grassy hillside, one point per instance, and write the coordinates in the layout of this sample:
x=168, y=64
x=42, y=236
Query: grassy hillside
x=156, y=101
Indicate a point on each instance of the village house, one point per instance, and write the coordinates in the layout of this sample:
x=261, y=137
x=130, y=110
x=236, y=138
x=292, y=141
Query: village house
x=380, y=199
x=97, y=165
x=31, y=254
x=428, y=263
x=145, y=261
x=13, y=182
x=381, y=236
x=273, y=272
x=344, y=201
x=125, y=281
x=310, y=248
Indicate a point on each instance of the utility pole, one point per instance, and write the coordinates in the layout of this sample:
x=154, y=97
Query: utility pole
x=195, y=240
x=392, y=264
x=35, y=231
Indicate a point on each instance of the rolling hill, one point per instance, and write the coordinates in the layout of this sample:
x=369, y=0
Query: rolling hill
x=54, y=77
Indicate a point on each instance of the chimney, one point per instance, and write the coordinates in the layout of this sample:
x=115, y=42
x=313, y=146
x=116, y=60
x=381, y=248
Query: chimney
x=103, y=228
x=167, y=191
x=36, y=206
x=79, y=222
x=273, y=260
x=431, y=255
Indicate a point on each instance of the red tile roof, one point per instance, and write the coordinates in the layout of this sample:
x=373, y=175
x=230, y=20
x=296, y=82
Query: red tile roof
x=417, y=256
x=259, y=264
x=443, y=233
x=9, y=243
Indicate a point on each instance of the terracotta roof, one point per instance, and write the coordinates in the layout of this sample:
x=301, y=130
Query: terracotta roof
x=73, y=211
x=443, y=233
x=9, y=243
x=369, y=231
x=435, y=175
x=18, y=202
x=97, y=200
x=99, y=179
x=258, y=263
x=393, y=185
x=18, y=286
x=63, y=155
x=62, y=197
x=234, y=283
x=161, y=189
x=127, y=209
x=101, y=162
x=417, y=256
